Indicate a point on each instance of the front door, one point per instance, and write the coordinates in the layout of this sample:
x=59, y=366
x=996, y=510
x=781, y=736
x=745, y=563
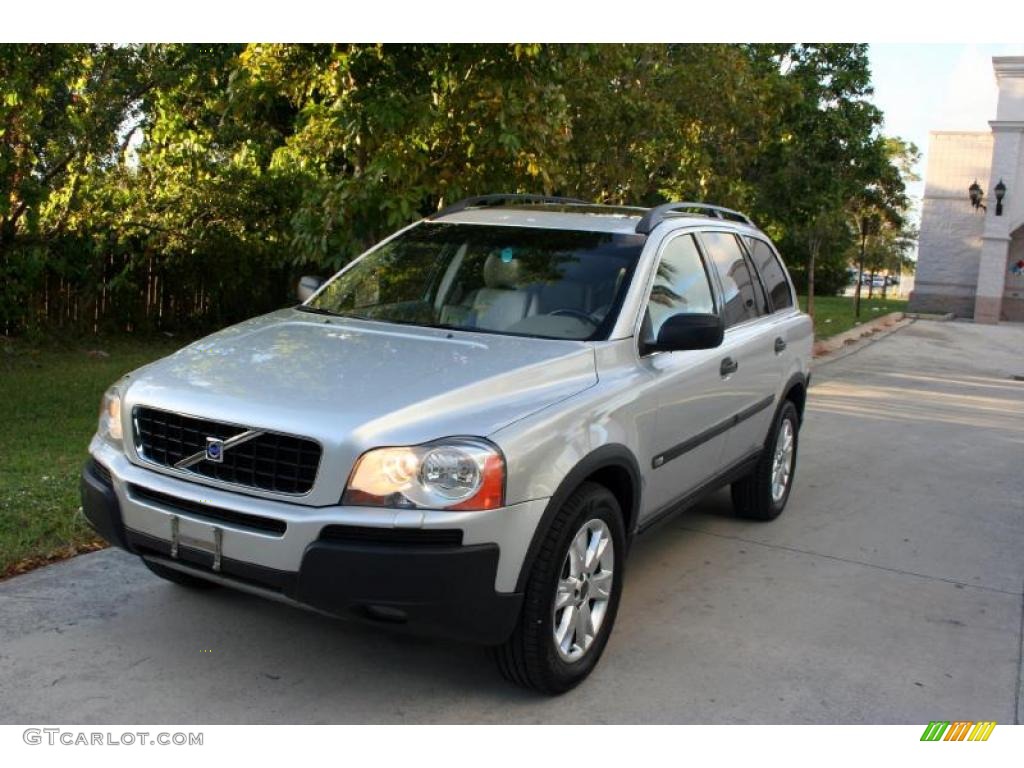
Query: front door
x=693, y=407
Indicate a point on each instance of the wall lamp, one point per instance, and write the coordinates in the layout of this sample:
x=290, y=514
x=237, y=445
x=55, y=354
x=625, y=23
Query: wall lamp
x=976, y=195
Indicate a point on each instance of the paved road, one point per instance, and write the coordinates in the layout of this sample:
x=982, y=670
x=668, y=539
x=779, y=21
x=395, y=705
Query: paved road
x=890, y=591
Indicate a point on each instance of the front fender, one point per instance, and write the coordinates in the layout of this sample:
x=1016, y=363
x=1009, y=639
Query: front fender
x=612, y=455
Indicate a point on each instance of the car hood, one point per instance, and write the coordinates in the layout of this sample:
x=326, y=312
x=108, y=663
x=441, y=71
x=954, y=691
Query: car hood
x=354, y=384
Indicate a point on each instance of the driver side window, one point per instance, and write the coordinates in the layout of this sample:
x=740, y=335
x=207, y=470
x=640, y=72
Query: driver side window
x=680, y=286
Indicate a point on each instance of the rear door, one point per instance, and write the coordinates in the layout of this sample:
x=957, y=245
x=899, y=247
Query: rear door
x=788, y=328
x=750, y=368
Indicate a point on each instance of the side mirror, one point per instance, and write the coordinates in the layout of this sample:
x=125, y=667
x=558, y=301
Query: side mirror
x=308, y=285
x=686, y=331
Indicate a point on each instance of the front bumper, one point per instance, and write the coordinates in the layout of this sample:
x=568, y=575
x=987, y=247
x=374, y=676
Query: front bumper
x=406, y=577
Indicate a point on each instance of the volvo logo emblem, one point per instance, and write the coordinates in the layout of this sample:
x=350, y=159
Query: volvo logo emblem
x=215, y=450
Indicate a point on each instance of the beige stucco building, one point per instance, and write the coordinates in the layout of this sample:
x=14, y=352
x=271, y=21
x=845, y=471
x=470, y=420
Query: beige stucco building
x=971, y=260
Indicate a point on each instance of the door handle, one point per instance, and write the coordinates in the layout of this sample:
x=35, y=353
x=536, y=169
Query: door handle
x=780, y=345
x=729, y=366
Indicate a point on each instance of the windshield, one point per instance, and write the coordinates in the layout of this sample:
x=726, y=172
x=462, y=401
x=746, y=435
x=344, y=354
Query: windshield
x=551, y=283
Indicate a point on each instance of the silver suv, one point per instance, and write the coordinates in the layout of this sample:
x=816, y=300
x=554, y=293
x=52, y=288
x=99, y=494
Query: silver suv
x=462, y=432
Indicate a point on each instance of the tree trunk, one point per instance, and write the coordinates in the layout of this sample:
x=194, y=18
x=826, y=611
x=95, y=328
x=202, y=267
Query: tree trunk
x=815, y=244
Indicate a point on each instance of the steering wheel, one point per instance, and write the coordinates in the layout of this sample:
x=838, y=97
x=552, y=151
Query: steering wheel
x=577, y=313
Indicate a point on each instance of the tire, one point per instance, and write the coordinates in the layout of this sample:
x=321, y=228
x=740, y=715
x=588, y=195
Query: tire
x=532, y=657
x=179, y=577
x=752, y=496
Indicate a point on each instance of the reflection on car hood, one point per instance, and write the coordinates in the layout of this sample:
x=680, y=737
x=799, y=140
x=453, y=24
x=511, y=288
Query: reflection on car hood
x=363, y=382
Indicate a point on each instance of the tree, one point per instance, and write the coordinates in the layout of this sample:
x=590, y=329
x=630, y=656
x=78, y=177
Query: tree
x=888, y=251
x=173, y=186
x=666, y=122
x=60, y=109
x=830, y=150
x=385, y=134
x=884, y=203
x=199, y=217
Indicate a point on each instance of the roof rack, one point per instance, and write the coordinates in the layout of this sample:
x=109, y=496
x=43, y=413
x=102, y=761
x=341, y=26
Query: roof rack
x=656, y=215
x=484, y=201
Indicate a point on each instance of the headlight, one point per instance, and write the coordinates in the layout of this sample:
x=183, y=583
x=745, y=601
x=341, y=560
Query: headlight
x=455, y=474
x=110, y=415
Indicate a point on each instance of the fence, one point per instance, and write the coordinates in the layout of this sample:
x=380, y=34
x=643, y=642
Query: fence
x=126, y=293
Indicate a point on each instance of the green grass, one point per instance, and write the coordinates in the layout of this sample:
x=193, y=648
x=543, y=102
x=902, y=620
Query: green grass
x=834, y=314
x=49, y=401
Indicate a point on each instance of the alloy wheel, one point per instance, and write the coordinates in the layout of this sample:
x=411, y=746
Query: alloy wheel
x=584, y=590
x=782, y=462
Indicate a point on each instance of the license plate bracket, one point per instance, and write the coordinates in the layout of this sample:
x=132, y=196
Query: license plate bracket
x=214, y=545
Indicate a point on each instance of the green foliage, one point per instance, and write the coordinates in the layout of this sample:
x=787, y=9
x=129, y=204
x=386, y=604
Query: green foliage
x=890, y=238
x=187, y=186
x=831, y=159
x=60, y=108
x=832, y=263
x=385, y=134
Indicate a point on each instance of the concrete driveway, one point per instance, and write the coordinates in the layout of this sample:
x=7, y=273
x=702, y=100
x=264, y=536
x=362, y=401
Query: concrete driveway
x=889, y=592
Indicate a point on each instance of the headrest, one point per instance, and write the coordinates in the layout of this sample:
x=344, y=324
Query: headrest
x=501, y=272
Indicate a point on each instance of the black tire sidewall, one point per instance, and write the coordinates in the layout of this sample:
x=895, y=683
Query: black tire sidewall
x=588, y=503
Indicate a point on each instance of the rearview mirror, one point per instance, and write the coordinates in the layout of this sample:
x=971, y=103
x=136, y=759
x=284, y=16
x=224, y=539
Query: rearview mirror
x=689, y=331
x=308, y=285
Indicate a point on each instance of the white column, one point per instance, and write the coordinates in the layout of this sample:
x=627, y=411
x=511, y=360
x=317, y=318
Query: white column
x=1007, y=134
x=988, y=301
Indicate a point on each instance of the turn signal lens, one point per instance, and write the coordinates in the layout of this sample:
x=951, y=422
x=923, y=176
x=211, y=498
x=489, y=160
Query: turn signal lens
x=459, y=474
x=491, y=493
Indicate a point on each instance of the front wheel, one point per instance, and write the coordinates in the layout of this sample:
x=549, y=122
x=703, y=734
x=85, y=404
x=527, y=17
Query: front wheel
x=571, y=597
x=762, y=495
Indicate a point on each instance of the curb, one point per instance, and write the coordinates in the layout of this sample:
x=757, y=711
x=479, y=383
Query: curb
x=862, y=331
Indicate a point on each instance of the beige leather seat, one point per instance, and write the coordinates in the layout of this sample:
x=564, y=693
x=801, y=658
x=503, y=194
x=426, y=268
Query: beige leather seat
x=503, y=302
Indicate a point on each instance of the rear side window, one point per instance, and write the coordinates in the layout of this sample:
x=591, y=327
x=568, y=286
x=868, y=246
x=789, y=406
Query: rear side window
x=742, y=295
x=680, y=284
x=772, y=274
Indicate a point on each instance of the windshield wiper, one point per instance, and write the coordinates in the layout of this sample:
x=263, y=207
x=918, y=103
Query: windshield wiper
x=317, y=310
x=322, y=311
x=419, y=324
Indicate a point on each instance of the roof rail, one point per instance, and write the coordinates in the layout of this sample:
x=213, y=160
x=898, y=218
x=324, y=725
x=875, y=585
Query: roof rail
x=484, y=201
x=656, y=215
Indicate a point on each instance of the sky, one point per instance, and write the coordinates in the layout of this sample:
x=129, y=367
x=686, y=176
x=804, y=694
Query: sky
x=935, y=87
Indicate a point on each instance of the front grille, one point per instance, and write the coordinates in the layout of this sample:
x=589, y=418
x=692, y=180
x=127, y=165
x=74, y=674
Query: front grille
x=270, y=462
x=358, y=534
x=207, y=512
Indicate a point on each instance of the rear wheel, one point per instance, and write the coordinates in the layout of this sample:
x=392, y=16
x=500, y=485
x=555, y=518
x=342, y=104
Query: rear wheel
x=571, y=597
x=178, y=577
x=762, y=495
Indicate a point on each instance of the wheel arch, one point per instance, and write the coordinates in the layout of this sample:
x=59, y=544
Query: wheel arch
x=615, y=467
x=796, y=391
